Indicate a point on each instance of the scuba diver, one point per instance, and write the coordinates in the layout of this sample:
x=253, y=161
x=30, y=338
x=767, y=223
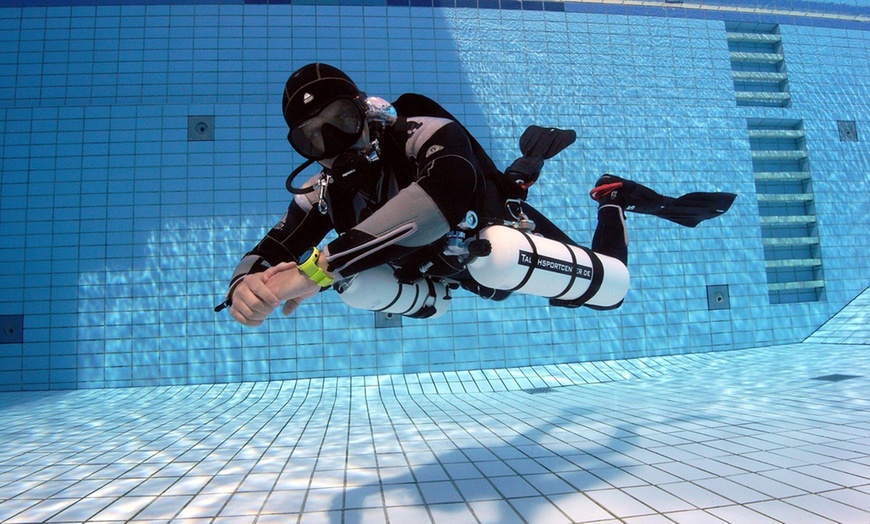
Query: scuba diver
x=421, y=210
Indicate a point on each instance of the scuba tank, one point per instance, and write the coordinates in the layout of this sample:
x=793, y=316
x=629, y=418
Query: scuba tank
x=378, y=289
x=534, y=265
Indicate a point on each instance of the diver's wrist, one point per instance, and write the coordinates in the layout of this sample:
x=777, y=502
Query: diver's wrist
x=314, y=266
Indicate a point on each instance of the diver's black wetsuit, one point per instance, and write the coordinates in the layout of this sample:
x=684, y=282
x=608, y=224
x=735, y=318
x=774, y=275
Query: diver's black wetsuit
x=422, y=185
x=420, y=208
x=429, y=174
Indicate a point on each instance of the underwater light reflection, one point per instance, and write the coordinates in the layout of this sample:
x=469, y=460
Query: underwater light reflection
x=150, y=321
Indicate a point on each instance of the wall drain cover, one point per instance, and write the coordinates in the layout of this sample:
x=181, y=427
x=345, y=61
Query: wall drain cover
x=200, y=128
x=717, y=297
x=11, y=329
x=848, y=130
x=385, y=320
x=836, y=377
x=538, y=391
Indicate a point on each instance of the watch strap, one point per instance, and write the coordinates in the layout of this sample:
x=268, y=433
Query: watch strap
x=310, y=269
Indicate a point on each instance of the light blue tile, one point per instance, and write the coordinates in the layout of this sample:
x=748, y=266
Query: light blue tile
x=625, y=74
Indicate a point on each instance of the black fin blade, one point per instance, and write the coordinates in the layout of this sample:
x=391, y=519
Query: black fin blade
x=693, y=208
x=545, y=142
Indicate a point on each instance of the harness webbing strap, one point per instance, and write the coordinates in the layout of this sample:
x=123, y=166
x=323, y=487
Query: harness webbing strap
x=532, y=266
x=396, y=299
x=573, y=273
x=597, y=277
x=413, y=302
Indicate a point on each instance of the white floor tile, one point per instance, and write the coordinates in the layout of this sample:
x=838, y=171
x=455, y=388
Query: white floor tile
x=712, y=438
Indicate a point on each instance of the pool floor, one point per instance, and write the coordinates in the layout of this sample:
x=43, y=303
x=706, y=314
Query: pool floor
x=775, y=434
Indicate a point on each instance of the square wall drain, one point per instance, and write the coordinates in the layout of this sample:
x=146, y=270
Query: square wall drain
x=200, y=128
x=11, y=329
x=384, y=320
x=848, y=130
x=717, y=297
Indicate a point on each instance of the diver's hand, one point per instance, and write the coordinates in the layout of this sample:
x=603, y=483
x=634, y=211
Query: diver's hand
x=253, y=301
x=289, y=285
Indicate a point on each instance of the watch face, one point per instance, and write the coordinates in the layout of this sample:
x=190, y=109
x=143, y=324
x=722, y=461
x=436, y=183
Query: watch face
x=308, y=261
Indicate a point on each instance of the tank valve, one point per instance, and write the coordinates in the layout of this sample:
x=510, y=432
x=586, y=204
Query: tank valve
x=455, y=244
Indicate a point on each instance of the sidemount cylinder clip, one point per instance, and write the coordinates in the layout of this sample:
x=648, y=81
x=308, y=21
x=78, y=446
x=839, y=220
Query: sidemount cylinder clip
x=522, y=222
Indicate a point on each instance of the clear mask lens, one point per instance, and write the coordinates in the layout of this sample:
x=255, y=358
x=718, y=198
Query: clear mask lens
x=331, y=131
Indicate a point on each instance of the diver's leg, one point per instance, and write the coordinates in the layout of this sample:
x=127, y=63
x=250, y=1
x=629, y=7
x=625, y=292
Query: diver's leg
x=611, y=237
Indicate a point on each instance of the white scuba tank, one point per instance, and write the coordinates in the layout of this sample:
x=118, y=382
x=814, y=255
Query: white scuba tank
x=531, y=264
x=377, y=289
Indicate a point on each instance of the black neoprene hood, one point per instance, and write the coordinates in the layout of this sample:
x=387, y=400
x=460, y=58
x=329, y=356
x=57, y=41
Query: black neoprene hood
x=311, y=88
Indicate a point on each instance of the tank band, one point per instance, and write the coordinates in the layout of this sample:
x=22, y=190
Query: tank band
x=597, y=277
x=532, y=266
x=573, y=273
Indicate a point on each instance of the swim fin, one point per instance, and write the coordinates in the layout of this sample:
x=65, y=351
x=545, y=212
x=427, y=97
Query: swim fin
x=688, y=210
x=545, y=142
x=693, y=208
x=537, y=144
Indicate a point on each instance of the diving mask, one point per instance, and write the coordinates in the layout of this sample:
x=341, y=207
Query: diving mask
x=329, y=132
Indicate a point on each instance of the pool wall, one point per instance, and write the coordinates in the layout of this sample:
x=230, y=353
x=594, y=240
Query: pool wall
x=122, y=217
